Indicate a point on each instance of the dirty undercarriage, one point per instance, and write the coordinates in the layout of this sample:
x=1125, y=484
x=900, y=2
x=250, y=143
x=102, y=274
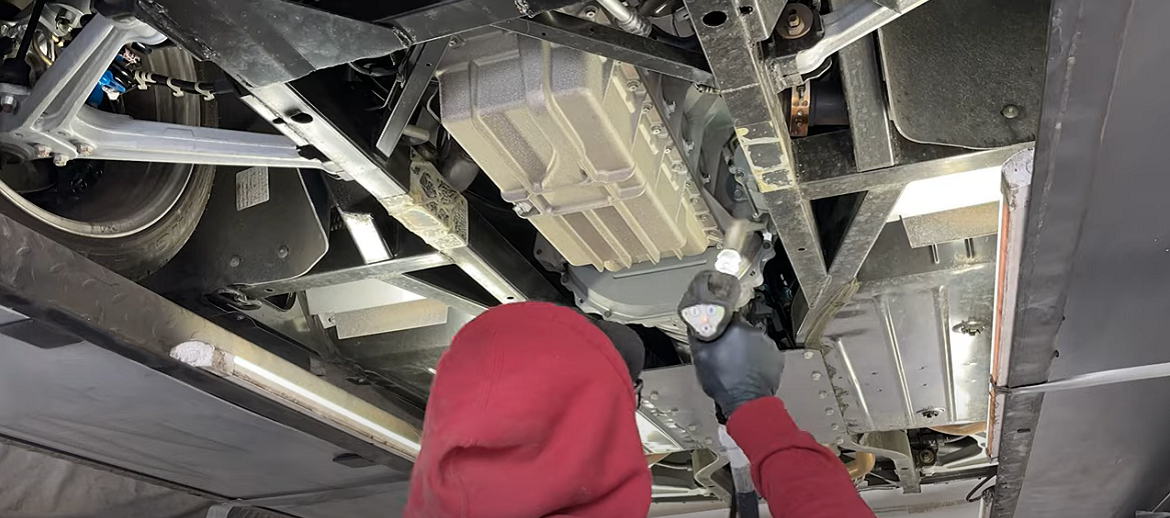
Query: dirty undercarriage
x=588, y=153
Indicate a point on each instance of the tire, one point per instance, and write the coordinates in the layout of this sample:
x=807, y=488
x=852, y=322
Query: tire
x=146, y=249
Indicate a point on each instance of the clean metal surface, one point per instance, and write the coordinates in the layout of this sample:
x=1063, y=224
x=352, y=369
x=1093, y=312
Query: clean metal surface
x=952, y=225
x=823, y=182
x=594, y=38
x=306, y=125
x=389, y=268
x=967, y=73
x=53, y=115
x=424, y=59
x=869, y=122
x=673, y=398
x=1092, y=283
x=896, y=352
x=866, y=225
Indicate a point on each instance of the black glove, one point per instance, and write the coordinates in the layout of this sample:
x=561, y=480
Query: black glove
x=741, y=365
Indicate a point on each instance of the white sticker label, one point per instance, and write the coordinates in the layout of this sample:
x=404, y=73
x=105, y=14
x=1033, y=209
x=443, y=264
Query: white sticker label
x=251, y=187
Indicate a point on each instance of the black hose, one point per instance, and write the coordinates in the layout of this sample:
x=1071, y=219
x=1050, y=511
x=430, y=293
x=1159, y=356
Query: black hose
x=16, y=69
x=29, y=30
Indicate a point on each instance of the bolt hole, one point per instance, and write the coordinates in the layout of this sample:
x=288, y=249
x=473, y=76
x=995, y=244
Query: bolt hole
x=269, y=290
x=510, y=298
x=745, y=10
x=1024, y=430
x=301, y=118
x=544, y=34
x=801, y=249
x=714, y=18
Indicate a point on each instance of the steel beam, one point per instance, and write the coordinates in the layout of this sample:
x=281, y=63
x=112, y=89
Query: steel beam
x=754, y=105
x=390, y=268
x=863, y=231
x=645, y=53
x=412, y=191
x=114, y=313
x=869, y=122
x=424, y=59
x=834, y=181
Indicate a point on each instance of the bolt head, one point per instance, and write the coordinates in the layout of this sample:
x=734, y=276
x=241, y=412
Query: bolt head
x=43, y=151
x=654, y=395
x=808, y=355
x=85, y=149
x=657, y=130
x=1010, y=111
x=823, y=394
x=678, y=168
x=835, y=427
x=60, y=160
x=830, y=411
x=816, y=376
x=794, y=20
x=633, y=86
x=234, y=261
x=282, y=252
x=840, y=441
x=589, y=13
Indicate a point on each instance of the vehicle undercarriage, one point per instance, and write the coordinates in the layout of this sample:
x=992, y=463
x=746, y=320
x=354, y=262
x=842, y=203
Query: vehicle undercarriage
x=345, y=185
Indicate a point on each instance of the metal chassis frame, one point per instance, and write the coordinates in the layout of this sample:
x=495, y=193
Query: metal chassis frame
x=112, y=312
x=52, y=119
x=750, y=83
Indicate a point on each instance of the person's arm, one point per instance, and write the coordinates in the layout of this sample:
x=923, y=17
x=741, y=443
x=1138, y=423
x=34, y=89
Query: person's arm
x=798, y=477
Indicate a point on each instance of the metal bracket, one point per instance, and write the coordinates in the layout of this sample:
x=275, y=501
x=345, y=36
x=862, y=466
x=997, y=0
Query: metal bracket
x=893, y=445
x=52, y=119
x=423, y=62
x=846, y=23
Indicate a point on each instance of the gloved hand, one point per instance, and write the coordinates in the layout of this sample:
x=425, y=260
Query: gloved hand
x=741, y=365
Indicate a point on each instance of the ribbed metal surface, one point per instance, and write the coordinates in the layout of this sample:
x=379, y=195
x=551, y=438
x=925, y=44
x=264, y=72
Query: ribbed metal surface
x=901, y=353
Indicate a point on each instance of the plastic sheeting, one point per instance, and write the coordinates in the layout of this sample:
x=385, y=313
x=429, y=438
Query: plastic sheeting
x=93, y=404
x=36, y=485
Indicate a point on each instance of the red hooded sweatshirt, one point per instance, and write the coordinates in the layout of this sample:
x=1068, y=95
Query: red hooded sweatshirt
x=532, y=415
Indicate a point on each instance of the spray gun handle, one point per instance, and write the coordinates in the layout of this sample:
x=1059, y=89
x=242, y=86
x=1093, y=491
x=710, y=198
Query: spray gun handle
x=708, y=304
